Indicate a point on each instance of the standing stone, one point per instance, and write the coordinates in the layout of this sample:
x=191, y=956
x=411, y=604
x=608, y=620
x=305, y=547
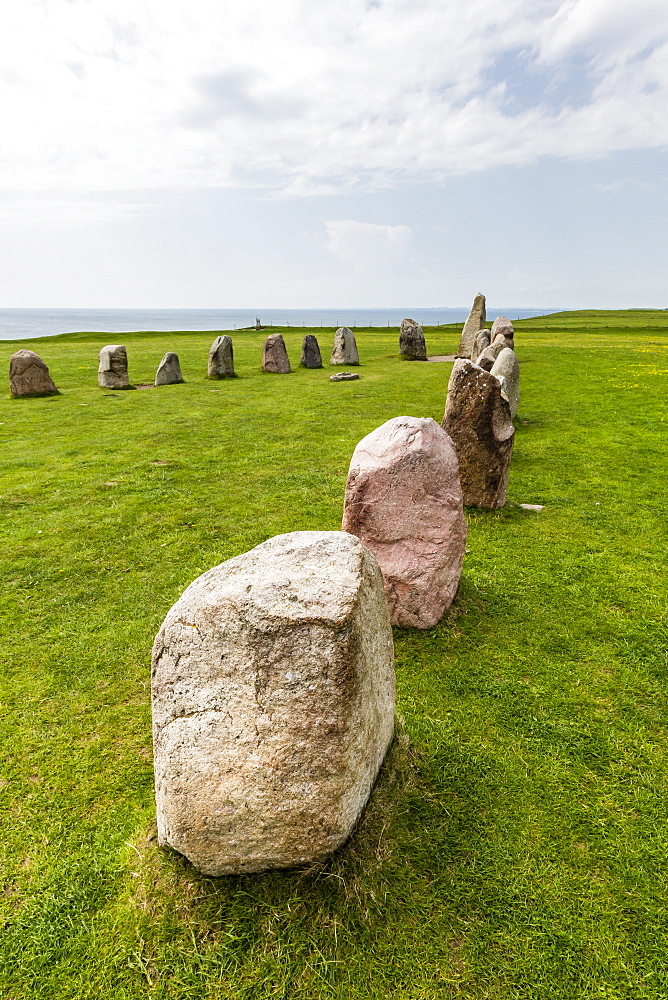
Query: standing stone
x=29, y=376
x=404, y=502
x=474, y=323
x=477, y=418
x=490, y=354
x=344, y=351
x=169, y=370
x=411, y=340
x=482, y=340
x=275, y=356
x=507, y=367
x=311, y=357
x=501, y=325
x=221, y=358
x=112, y=372
x=273, y=704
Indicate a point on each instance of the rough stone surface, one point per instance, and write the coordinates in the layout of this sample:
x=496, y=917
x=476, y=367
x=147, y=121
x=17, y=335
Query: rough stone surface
x=311, y=357
x=474, y=323
x=344, y=377
x=411, y=340
x=504, y=326
x=344, y=351
x=275, y=356
x=273, y=704
x=404, y=502
x=477, y=418
x=221, y=358
x=482, y=341
x=112, y=371
x=507, y=367
x=29, y=376
x=488, y=357
x=169, y=370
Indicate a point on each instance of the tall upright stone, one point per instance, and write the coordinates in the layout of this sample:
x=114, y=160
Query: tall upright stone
x=275, y=356
x=112, y=371
x=169, y=370
x=411, y=340
x=344, y=350
x=501, y=325
x=221, y=358
x=29, y=376
x=477, y=418
x=404, y=502
x=311, y=357
x=474, y=323
x=273, y=704
x=507, y=367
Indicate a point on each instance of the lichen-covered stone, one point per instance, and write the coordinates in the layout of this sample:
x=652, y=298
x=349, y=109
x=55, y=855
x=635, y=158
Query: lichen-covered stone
x=488, y=357
x=344, y=377
x=344, y=350
x=221, y=358
x=474, y=323
x=29, y=375
x=501, y=325
x=169, y=370
x=112, y=371
x=507, y=367
x=411, y=340
x=311, y=357
x=273, y=704
x=477, y=418
x=275, y=356
x=480, y=343
x=404, y=502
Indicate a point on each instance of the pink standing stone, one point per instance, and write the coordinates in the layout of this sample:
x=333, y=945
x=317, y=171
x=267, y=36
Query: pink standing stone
x=404, y=502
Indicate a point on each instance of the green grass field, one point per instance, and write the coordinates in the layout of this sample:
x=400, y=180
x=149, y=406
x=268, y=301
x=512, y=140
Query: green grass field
x=516, y=844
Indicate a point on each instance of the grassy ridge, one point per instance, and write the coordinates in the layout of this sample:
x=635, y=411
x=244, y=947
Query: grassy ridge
x=516, y=843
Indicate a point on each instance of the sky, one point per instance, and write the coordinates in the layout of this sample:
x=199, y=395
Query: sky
x=323, y=153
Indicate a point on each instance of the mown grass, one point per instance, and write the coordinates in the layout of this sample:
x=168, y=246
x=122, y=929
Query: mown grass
x=516, y=843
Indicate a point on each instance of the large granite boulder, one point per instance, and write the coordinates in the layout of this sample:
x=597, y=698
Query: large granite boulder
x=311, y=357
x=474, y=323
x=112, y=371
x=273, y=704
x=29, y=376
x=490, y=354
x=507, y=367
x=344, y=350
x=411, y=341
x=501, y=325
x=275, y=356
x=169, y=370
x=404, y=502
x=477, y=418
x=480, y=343
x=221, y=358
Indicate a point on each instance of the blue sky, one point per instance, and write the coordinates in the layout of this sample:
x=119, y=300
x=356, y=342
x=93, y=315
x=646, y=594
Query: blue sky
x=351, y=153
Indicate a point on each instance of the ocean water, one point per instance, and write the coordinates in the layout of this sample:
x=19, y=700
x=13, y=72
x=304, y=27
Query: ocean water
x=25, y=324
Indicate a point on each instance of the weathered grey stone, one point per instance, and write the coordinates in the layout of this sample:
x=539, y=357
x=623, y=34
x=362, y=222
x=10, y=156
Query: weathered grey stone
x=221, y=358
x=477, y=418
x=169, y=370
x=311, y=357
x=490, y=354
x=344, y=351
x=404, y=502
x=507, y=367
x=112, y=371
x=273, y=704
x=481, y=342
x=29, y=376
x=505, y=327
x=411, y=340
x=275, y=356
x=344, y=377
x=474, y=323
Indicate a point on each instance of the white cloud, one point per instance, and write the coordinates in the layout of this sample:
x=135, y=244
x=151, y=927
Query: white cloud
x=304, y=98
x=365, y=245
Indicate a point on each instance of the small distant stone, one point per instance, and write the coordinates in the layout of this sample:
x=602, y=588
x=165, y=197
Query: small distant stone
x=169, y=370
x=344, y=349
x=482, y=340
x=411, y=340
x=311, y=357
x=29, y=376
x=221, y=358
x=532, y=506
x=343, y=377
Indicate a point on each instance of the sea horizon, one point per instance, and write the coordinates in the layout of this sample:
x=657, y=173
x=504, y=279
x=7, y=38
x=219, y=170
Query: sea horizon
x=30, y=324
